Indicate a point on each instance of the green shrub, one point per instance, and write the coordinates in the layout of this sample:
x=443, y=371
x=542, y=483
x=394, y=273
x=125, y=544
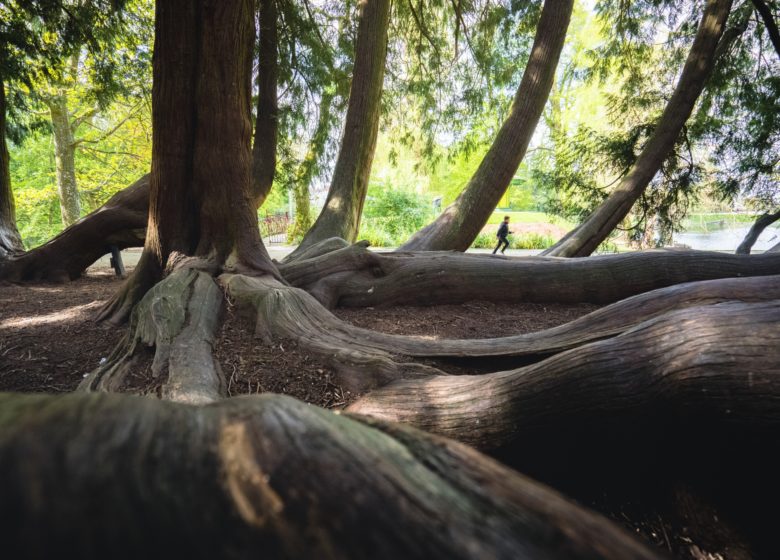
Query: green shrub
x=520, y=241
x=391, y=216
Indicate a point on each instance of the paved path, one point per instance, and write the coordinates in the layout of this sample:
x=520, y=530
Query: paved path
x=130, y=256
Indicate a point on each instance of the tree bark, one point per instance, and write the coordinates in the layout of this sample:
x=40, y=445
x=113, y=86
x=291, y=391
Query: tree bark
x=200, y=207
x=267, y=474
x=769, y=21
x=762, y=222
x=585, y=238
x=431, y=278
x=340, y=217
x=458, y=226
x=266, y=125
x=718, y=362
x=10, y=240
x=65, y=159
x=121, y=222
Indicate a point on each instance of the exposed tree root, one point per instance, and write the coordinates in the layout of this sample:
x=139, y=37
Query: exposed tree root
x=287, y=312
x=94, y=473
x=430, y=278
x=720, y=361
x=121, y=222
x=179, y=318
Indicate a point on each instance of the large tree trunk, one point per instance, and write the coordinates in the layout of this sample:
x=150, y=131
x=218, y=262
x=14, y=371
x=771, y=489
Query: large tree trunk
x=307, y=169
x=356, y=277
x=266, y=125
x=762, y=222
x=121, y=222
x=340, y=217
x=267, y=474
x=585, y=238
x=458, y=226
x=10, y=240
x=65, y=159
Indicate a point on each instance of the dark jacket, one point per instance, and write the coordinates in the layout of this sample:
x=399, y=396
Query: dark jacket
x=503, y=230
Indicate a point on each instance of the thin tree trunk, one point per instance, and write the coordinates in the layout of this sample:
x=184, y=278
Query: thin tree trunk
x=586, y=237
x=769, y=21
x=458, y=226
x=762, y=222
x=308, y=167
x=266, y=125
x=65, y=158
x=340, y=217
x=10, y=240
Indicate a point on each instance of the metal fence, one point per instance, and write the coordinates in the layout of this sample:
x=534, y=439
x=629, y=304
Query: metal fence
x=274, y=228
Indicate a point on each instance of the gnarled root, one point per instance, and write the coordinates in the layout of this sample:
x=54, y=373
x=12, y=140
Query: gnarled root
x=121, y=222
x=179, y=318
x=287, y=312
x=722, y=361
x=430, y=278
x=268, y=474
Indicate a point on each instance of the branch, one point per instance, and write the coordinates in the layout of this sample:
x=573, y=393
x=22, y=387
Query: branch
x=107, y=134
x=78, y=121
x=769, y=22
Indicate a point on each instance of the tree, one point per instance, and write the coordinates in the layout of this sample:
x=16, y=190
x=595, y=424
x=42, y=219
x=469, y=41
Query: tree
x=762, y=222
x=266, y=125
x=257, y=464
x=10, y=241
x=457, y=227
x=586, y=237
x=340, y=217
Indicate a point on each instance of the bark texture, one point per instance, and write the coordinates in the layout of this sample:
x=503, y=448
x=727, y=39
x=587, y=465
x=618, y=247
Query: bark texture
x=267, y=474
x=10, y=240
x=340, y=217
x=200, y=201
x=179, y=318
x=718, y=362
x=121, y=222
x=458, y=226
x=585, y=238
x=762, y=222
x=367, y=279
x=65, y=158
x=267, y=123
x=362, y=360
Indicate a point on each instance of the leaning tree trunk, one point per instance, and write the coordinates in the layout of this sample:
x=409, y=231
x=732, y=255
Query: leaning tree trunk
x=267, y=474
x=458, y=226
x=586, y=237
x=120, y=222
x=65, y=159
x=267, y=123
x=308, y=168
x=10, y=240
x=340, y=217
x=762, y=222
x=357, y=277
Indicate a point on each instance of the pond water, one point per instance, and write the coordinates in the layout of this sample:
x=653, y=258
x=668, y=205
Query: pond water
x=727, y=239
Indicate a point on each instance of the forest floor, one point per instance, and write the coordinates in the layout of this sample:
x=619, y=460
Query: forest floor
x=48, y=343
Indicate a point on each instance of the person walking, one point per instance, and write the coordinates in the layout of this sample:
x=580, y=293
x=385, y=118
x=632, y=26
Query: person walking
x=503, y=231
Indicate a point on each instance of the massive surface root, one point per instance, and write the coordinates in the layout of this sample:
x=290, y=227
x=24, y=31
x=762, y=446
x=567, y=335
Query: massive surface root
x=119, y=476
x=430, y=278
x=121, y=222
x=179, y=318
x=718, y=361
x=362, y=359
